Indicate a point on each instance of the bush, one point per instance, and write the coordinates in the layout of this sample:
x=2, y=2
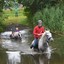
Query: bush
x=53, y=17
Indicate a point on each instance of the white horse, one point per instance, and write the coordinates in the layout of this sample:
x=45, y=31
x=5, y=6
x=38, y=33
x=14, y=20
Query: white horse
x=43, y=43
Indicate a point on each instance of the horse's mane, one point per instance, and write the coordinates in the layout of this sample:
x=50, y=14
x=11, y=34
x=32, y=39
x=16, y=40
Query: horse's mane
x=43, y=38
x=43, y=34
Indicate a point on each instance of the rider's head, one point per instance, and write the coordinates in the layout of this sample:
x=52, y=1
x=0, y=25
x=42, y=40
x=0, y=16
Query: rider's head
x=17, y=28
x=39, y=23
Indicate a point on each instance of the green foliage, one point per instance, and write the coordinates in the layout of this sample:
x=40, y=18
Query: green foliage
x=33, y=6
x=1, y=15
x=10, y=18
x=38, y=16
x=53, y=17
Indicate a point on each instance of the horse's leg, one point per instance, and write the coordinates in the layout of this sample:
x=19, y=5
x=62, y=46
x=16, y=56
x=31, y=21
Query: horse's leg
x=42, y=47
x=19, y=36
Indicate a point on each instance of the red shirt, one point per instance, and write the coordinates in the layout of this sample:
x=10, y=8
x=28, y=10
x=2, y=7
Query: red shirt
x=38, y=30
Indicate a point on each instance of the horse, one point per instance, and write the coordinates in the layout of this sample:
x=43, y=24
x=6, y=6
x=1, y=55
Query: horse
x=43, y=42
x=16, y=35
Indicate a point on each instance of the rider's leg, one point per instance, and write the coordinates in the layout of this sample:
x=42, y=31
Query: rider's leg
x=35, y=44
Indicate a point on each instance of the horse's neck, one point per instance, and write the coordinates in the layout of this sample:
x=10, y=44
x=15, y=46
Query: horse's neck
x=43, y=37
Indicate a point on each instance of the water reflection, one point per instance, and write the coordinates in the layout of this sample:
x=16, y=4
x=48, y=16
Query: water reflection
x=42, y=59
x=13, y=57
x=3, y=57
x=35, y=59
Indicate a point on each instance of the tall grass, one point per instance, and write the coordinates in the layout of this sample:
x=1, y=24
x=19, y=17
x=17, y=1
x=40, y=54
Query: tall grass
x=53, y=17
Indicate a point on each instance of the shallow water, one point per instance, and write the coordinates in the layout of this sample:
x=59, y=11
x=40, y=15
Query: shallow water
x=11, y=52
x=17, y=58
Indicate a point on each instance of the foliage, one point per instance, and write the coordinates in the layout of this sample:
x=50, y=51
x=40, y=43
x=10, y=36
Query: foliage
x=34, y=6
x=53, y=17
x=10, y=18
x=1, y=15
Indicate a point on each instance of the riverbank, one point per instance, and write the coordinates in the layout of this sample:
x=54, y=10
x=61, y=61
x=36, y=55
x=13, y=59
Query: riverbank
x=12, y=27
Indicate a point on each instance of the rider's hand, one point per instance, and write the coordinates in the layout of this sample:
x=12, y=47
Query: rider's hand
x=39, y=34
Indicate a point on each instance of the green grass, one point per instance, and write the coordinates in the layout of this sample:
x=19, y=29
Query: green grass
x=10, y=17
x=12, y=12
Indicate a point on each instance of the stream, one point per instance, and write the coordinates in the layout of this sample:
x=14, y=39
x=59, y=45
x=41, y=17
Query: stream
x=19, y=52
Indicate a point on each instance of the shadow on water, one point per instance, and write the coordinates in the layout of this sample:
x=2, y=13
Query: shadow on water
x=3, y=58
x=11, y=52
x=42, y=59
x=17, y=58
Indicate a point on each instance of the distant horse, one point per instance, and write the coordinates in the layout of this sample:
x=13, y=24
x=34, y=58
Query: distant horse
x=43, y=43
x=15, y=35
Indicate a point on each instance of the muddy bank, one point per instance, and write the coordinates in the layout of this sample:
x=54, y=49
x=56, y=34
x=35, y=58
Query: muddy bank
x=14, y=26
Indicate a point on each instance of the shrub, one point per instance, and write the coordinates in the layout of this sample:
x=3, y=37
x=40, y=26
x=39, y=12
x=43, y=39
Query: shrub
x=53, y=18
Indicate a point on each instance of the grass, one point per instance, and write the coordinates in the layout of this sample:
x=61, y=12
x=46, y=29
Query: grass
x=10, y=17
x=12, y=12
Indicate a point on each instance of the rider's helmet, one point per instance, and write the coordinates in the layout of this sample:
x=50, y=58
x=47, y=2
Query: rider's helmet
x=39, y=23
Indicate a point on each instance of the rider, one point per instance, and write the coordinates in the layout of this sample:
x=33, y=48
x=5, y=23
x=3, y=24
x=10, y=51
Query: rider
x=17, y=29
x=37, y=32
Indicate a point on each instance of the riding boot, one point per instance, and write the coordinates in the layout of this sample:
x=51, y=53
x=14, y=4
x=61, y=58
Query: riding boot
x=31, y=46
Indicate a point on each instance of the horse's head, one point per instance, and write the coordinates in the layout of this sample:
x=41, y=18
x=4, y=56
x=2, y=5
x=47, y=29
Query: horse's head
x=49, y=35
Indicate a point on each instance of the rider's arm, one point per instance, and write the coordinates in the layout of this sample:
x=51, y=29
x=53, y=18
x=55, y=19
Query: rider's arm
x=43, y=29
x=35, y=31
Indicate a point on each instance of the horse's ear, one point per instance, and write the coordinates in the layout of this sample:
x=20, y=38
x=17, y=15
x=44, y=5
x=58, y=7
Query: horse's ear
x=47, y=29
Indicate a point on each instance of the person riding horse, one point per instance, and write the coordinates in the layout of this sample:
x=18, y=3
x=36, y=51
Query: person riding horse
x=37, y=32
x=15, y=34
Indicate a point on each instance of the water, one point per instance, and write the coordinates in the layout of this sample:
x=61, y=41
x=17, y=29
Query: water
x=13, y=57
x=19, y=52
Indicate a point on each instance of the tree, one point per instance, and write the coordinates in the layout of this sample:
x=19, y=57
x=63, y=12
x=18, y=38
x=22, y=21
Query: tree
x=32, y=6
x=1, y=14
x=35, y=5
x=1, y=5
